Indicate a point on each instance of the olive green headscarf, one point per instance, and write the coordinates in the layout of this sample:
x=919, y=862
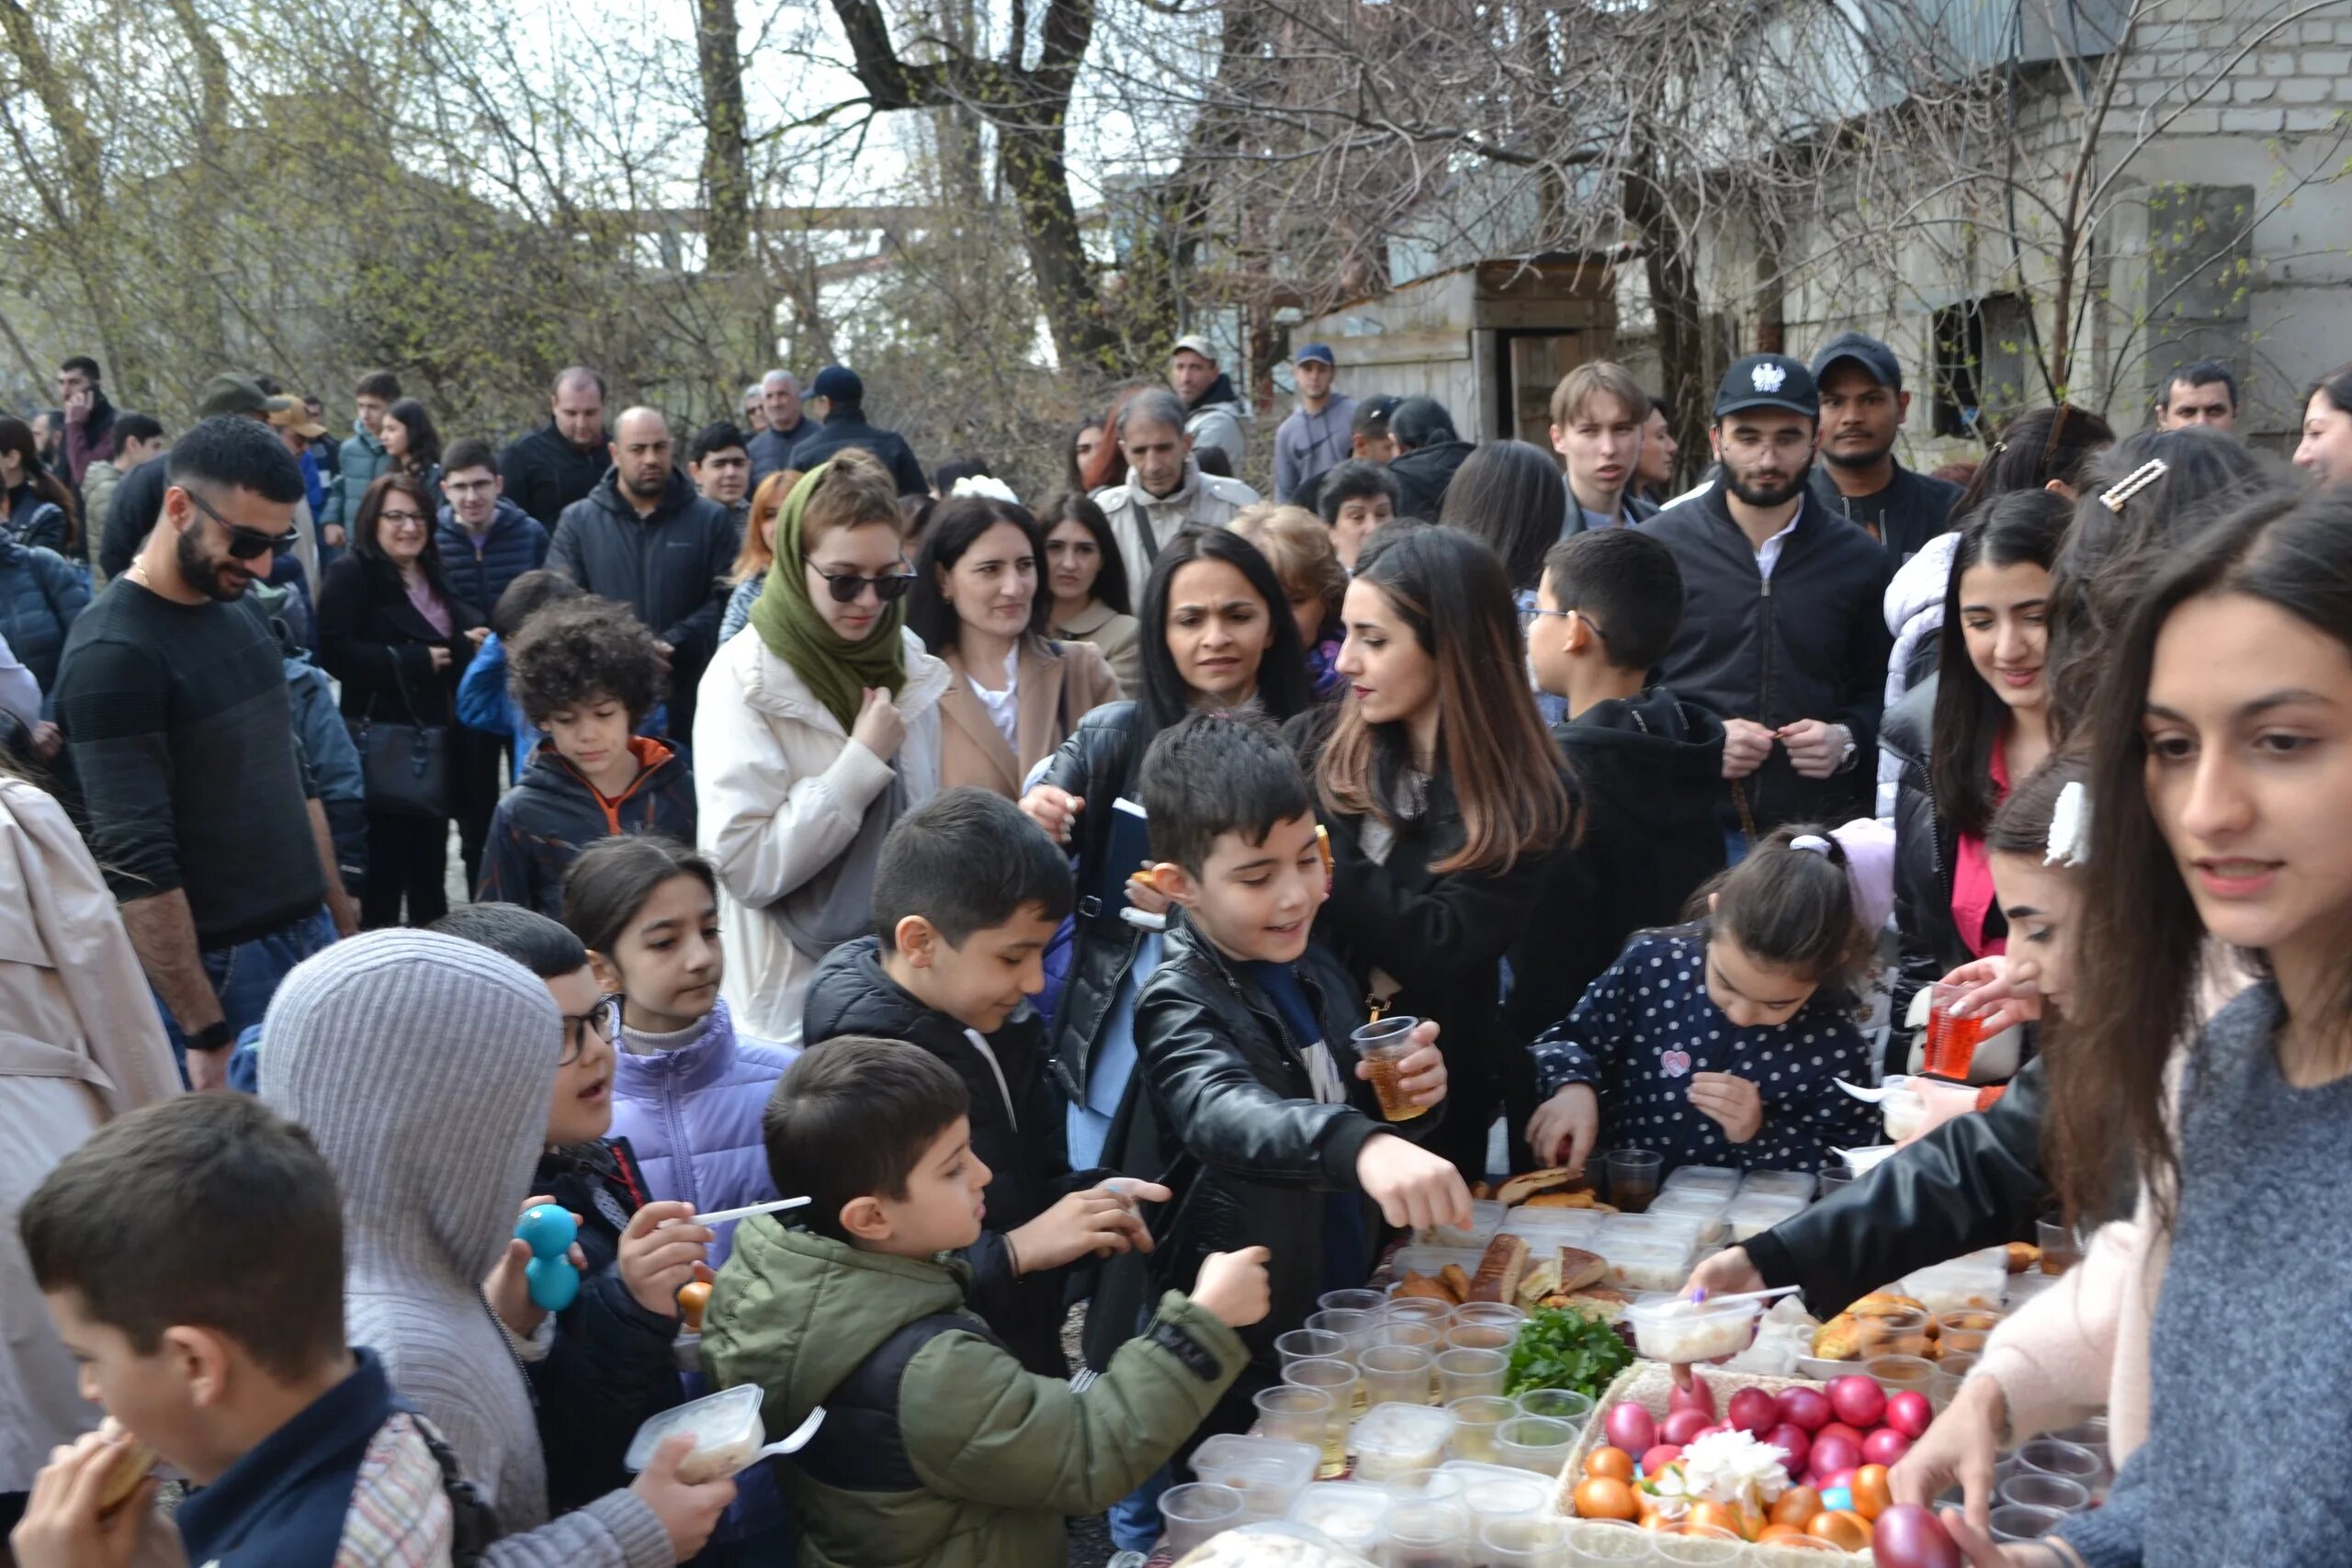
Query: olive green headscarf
x=787, y=620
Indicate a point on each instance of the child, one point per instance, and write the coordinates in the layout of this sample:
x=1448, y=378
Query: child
x=966, y=897
x=191, y=1255
x=483, y=702
x=1298, y=547
x=937, y=1446
x=688, y=1090
x=587, y=673
x=1718, y=1042
x=1647, y=766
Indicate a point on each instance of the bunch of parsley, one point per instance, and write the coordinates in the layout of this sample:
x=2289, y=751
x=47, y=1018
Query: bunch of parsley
x=1560, y=1348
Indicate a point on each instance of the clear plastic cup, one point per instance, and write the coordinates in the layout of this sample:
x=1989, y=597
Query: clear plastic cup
x=1475, y=1420
x=1293, y=1415
x=1348, y=1512
x=1196, y=1511
x=2061, y=1248
x=1352, y=1301
x=1481, y=1336
x=2032, y=1489
x=1492, y=1493
x=1893, y=1372
x=1699, y=1546
x=1534, y=1442
x=1609, y=1543
x=1337, y=1378
x=1632, y=1178
x=2014, y=1522
x=1966, y=1331
x=1942, y=1388
x=1359, y=1329
x=1501, y=1314
x=1418, y=1332
x=1556, y=1403
x=1462, y=1373
x=1383, y=1047
x=2050, y=1456
x=1524, y=1542
x=1417, y=1309
x=1397, y=1374
x=1834, y=1175
x=1434, y=1485
x=1310, y=1344
x=1415, y=1533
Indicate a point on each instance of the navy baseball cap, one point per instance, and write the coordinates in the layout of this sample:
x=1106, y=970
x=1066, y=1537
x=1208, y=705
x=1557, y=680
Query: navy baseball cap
x=1875, y=358
x=838, y=383
x=1768, y=381
x=1321, y=352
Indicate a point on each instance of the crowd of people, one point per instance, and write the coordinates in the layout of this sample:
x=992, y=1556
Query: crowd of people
x=1009, y=880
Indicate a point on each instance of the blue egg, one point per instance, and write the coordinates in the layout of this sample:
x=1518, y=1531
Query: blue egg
x=547, y=1229
x=1836, y=1497
x=554, y=1282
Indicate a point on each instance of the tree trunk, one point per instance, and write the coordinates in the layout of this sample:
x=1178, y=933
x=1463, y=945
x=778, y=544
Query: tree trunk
x=726, y=184
x=1674, y=306
x=1037, y=172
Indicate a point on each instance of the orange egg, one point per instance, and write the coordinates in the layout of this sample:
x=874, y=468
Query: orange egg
x=1661, y=1524
x=1774, y=1534
x=694, y=1297
x=1597, y=1497
x=1873, y=1494
x=1848, y=1531
x=1752, y=1520
x=1608, y=1464
x=1713, y=1516
x=1796, y=1507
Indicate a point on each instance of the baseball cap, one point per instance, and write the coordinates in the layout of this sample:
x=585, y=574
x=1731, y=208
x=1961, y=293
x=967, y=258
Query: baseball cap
x=1864, y=350
x=227, y=393
x=1768, y=381
x=1321, y=352
x=1193, y=343
x=296, y=417
x=838, y=384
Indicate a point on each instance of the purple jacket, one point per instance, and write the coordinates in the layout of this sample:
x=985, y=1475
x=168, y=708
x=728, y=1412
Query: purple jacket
x=692, y=1117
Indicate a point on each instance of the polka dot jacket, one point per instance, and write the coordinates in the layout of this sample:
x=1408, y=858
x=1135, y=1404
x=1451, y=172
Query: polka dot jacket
x=1646, y=1025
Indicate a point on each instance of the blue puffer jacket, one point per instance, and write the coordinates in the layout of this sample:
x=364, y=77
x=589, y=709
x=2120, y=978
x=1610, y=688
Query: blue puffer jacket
x=480, y=570
x=41, y=594
x=692, y=1115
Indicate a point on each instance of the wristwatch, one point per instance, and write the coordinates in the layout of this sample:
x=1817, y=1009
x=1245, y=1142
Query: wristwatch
x=1846, y=757
x=214, y=1036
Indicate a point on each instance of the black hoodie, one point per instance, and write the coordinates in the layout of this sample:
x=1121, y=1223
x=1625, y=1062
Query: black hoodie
x=1423, y=476
x=1648, y=769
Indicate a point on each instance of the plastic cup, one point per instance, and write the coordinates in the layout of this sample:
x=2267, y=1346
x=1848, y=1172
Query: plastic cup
x=1338, y=1379
x=1383, y=1047
x=1950, y=1045
x=1557, y=1404
x=1609, y=1543
x=1418, y=1333
x=1414, y=1309
x=1534, y=1442
x=2049, y=1456
x=2091, y=1434
x=1290, y=1414
x=1900, y=1331
x=2060, y=1247
x=1959, y=1363
x=1966, y=1331
x=1359, y=1329
x=1395, y=1374
x=1425, y=1486
x=1500, y=1315
x=1475, y=1420
x=1352, y=1301
x=1697, y=1545
x=1463, y=1373
x=1524, y=1542
x=1632, y=1178
x=1310, y=1344
x=1834, y=1175
x=1196, y=1511
x=1481, y=1336
x=1893, y=1372
x=1415, y=1533
x=2014, y=1522
x=1494, y=1494
x=1942, y=1388
x=2031, y=1489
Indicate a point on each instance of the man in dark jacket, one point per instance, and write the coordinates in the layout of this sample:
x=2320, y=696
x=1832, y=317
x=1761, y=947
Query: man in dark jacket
x=845, y=425
x=1428, y=453
x=486, y=540
x=562, y=461
x=1782, y=634
x=1864, y=406
x=770, y=448
x=644, y=537
x=89, y=418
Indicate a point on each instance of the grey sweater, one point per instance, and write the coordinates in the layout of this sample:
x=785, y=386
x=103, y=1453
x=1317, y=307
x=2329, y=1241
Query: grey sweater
x=424, y=1067
x=2248, y=1331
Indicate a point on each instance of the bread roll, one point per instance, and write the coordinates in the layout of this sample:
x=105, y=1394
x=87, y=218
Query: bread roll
x=1500, y=1271
x=129, y=1470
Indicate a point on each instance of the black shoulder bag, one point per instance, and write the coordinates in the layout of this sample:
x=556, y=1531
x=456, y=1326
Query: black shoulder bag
x=405, y=766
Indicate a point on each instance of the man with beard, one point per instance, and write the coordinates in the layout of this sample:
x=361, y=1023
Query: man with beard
x=1781, y=633
x=172, y=698
x=644, y=537
x=558, y=463
x=1864, y=406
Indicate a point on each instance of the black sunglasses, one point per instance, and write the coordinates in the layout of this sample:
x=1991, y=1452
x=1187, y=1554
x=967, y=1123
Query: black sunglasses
x=846, y=586
x=244, y=543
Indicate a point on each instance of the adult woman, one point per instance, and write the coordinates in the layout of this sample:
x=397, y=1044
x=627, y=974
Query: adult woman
x=413, y=445
x=1302, y=555
x=749, y=573
x=1219, y=636
x=1085, y=439
x=815, y=730
x=1089, y=583
x=39, y=509
x=40, y=595
x=1446, y=800
x=1016, y=694
x=1510, y=494
x=1965, y=736
x=392, y=632
x=2326, y=447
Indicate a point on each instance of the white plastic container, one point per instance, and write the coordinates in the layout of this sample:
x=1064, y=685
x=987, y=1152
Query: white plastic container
x=1269, y=1474
x=1497, y=1491
x=1706, y=1177
x=1798, y=1184
x=1554, y=1227
x=1393, y=1438
x=1685, y=1332
x=1486, y=1218
x=1649, y=1265
x=1346, y=1512
x=1751, y=1215
x=1666, y=1229
x=1978, y=1280
x=724, y=1427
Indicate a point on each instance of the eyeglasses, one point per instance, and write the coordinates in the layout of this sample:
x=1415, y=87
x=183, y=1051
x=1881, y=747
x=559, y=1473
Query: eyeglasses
x=1528, y=617
x=244, y=543
x=846, y=586
x=604, y=1018
x=385, y=517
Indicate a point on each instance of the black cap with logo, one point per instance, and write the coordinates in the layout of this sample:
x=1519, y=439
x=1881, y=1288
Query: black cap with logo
x=1768, y=381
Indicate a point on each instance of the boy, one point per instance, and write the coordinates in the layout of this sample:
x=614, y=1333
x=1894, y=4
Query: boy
x=1647, y=766
x=1356, y=497
x=937, y=1446
x=363, y=456
x=1242, y=1034
x=1598, y=412
x=191, y=1257
x=967, y=893
x=586, y=672
x=486, y=540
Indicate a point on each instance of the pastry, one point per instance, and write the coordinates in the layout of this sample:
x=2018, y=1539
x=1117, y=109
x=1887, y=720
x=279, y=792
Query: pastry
x=1577, y=1199
x=1579, y=1269
x=1456, y=1282
x=2024, y=1257
x=1542, y=1278
x=129, y=1470
x=1839, y=1339
x=1421, y=1287
x=1500, y=1271
x=1519, y=1188
x=1482, y=1191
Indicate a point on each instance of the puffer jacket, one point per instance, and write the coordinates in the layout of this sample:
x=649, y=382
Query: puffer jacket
x=692, y=1117
x=553, y=813
x=1927, y=941
x=1144, y=523
x=40, y=596
x=1914, y=618
x=35, y=520
x=481, y=568
x=780, y=794
x=361, y=460
x=670, y=567
x=1098, y=763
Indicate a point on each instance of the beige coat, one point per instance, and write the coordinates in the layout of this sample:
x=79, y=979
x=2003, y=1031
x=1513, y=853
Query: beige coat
x=81, y=1044
x=780, y=791
x=1143, y=523
x=1053, y=689
x=1119, y=638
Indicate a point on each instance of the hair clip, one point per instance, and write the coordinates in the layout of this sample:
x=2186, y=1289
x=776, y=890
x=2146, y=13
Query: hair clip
x=2134, y=483
x=2070, y=827
x=1812, y=843
x=985, y=486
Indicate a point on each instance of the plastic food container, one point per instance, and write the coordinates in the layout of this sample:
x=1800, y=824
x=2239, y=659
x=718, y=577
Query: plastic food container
x=1901, y=1113
x=1429, y=1261
x=1554, y=1227
x=1499, y=1492
x=1704, y=1178
x=726, y=1429
x=1649, y=1265
x=1798, y=1184
x=1692, y=1203
x=1348, y=1512
x=1861, y=1162
x=1487, y=1217
x=1677, y=1230
x=1753, y=1213
x=1978, y=1280
x=1685, y=1332
x=1395, y=1438
x=1268, y=1473
x=1415, y=1532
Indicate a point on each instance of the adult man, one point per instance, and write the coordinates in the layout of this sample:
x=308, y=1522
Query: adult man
x=1862, y=406
x=720, y=465
x=562, y=461
x=1165, y=491
x=89, y=418
x=1597, y=414
x=783, y=425
x=486, y=540
x=1781, y=636
x=138, y=437
x=1214, y=415
x=2203, y=393
x=173, y=696
x=1428, y=452
x=139, y=499
x=644, y=537
x=1654, y=469
x=846, y=426
x=362, y=458
x=1314, y=439
x=293, y=426
x=1368, y=442
x=755, y=412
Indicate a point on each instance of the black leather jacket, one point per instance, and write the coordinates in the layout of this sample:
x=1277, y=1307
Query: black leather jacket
x=1098, y=763
x=1928, y=944
x=1975, y=1181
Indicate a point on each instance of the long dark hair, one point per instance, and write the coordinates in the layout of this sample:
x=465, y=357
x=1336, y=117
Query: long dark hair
x=1492, y=745
x=1076, y=506
x=16, y=437
x=423, y=436
x=2106, y=1086
x=613, y=878
x=1283, y=691
x=2035, y=448
x=955, y=525
x=367, y=543
x=2021, y=826
x=2337, y=385
x=1792, y=909
x=2022, y=527
x=1510, y=494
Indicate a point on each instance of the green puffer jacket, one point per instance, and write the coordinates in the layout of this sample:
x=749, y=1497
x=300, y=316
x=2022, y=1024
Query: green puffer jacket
x=967, y=1461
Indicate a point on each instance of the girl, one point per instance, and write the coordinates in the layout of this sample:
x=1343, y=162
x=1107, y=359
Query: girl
x=1446, y=800
x=1085, y=440
x=687, y=1091
x=1510, y=494
x=392, y=632
x=1088, y=582
x=749, y=574
x=414, y=446
x=2326, y=448
x=1718, y=1042
x=1302, y=555
x=1960, y=738
x=1016, y=695
x=815, y=730
x=1219, y=637
x=34, y=504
